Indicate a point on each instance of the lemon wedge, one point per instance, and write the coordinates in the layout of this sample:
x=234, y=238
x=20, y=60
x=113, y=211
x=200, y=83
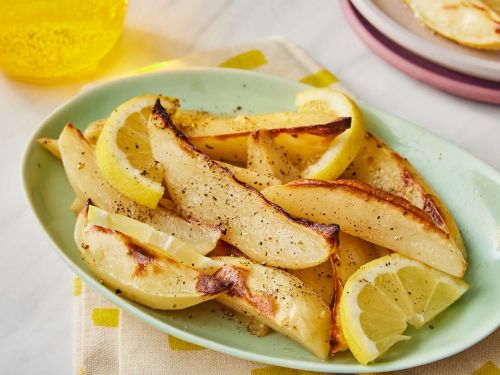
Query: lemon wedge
x=385, y=295
x=171, y=246
x=123, y=152
x=343, y=148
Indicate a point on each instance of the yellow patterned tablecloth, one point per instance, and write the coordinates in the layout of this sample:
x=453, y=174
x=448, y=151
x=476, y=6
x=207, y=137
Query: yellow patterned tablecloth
x=109, y=341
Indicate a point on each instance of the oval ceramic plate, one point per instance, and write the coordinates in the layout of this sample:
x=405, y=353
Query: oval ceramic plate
x=396, y=21
x=469, y=187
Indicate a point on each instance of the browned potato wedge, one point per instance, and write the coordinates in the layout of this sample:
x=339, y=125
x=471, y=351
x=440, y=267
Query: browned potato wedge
x=50, y=145
x=279, y=300
x=202, y=124
x=93, y=130
x=265, y=156
x=320, y=278
x=375, y=216
x=205, y=190
x=255, y=179
x=305, y=143
x=378, y=165
x=87, y=182
x=141, y=275
x=352, y=253
x=338, y=342
x=284, y=152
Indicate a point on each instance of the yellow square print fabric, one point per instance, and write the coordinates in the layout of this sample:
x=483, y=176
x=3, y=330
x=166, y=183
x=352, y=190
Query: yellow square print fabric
x=109, y=341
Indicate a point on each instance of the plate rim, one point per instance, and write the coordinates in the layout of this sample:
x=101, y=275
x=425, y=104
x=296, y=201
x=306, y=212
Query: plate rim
x=193, y=338
x=463, y=63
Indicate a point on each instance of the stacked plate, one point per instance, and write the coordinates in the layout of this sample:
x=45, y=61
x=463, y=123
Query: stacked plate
x=385, y=26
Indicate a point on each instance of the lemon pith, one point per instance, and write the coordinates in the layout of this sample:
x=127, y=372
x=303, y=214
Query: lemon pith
x=385, y=295
x=343, y=148
x=123, y=152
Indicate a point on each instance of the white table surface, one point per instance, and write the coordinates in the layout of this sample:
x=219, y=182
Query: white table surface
x=35, y=285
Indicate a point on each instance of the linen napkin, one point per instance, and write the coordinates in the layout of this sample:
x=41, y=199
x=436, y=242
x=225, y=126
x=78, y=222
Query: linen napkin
x=107, y=340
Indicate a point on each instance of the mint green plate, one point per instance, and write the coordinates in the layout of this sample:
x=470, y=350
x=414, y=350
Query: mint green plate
x=470, y=188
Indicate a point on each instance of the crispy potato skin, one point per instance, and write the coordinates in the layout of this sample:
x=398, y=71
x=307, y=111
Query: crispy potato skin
x=50, y=145
x=320, y=278
x=337, y=339
x=203, y=124
x=361, y=188
x=378, y=165
x=279, y=300
x=262, y=230
x=352, y=253
x=137, y=273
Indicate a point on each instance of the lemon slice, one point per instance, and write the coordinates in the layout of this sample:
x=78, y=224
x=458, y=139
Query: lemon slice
x=123, y=152
x=385, y=295
x=342, y=150
x=164, y=243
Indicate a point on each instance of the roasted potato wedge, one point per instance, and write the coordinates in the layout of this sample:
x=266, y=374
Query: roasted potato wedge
x=378, y=165
x=202, y=124
x=87, y=182
x=320, y=278
x=265, y=156
x=205, y=190
x=305, y=143
x=375, y=216
x=277, y=299
x=93, y=130
x=139, y=274
x=255, y=179
x=338, y=342
x=50, y=145
x=351, y=254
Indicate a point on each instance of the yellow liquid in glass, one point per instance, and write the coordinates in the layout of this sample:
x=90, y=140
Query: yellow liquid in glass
x=45, y=40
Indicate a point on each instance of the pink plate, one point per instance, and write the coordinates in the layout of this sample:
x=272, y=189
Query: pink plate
x=418, y=67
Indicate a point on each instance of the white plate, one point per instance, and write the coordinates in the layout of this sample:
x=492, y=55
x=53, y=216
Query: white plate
x=395, y=20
